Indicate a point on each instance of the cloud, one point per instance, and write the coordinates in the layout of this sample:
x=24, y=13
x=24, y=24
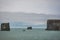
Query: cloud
x=54, y=6
x=22, y=5
x=25, y=17
x=22, y=19
x=34, y=12
x=30, y=6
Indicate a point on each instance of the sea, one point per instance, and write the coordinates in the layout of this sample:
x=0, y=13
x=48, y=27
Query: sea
x=34, y=34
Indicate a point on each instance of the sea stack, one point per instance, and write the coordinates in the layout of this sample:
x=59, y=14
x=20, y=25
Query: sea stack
x=5, y=27
x=53, y=24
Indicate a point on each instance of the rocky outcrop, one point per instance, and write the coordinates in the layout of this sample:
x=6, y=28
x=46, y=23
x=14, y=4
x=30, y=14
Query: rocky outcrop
x=53, y=25
x=5, y=27
x=29, y=28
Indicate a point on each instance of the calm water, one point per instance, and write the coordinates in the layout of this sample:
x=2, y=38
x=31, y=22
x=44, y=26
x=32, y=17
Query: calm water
x=35, y=34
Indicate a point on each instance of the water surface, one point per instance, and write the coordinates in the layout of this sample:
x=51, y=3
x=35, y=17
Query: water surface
x=34, y=34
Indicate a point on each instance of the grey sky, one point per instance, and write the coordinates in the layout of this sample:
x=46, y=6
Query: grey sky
x=29, y=11
x=31, y=6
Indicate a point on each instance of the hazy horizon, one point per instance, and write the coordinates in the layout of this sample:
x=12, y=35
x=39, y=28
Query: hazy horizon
x=23, y=13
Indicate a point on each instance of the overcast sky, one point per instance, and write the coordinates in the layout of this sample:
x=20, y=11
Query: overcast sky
x=29, y=11
x=30, y=6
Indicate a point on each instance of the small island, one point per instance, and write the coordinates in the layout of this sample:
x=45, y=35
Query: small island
x=5, y=27
x=29, y=28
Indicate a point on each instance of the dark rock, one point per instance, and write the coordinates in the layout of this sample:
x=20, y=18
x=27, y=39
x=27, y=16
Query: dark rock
x=53, y=25
x=29, y=28
x=5, y=27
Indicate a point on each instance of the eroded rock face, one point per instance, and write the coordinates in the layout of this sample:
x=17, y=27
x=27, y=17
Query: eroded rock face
x=5, y=27
x=53, y=25
x=29, y=28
